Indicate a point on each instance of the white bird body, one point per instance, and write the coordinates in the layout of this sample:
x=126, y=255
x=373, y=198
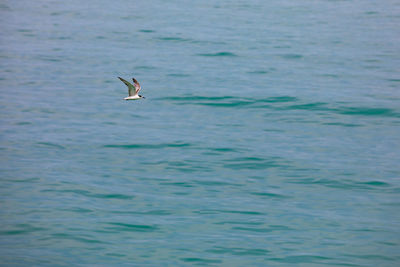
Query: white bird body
x=133, y=90
x=134, y=97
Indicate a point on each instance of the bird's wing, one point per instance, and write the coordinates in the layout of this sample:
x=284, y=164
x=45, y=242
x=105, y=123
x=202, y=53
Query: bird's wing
x=131, y=88
x=137, y=86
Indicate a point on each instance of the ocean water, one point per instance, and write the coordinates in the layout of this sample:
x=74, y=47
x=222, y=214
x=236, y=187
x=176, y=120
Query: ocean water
x=269, y=136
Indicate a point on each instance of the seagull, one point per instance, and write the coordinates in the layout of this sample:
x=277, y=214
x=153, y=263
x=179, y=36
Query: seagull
x=133, y=90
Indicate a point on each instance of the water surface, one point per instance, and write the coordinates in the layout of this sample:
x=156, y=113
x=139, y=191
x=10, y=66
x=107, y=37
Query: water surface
x=269, y=135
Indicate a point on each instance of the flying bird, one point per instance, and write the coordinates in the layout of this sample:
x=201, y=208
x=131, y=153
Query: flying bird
x=133, y=90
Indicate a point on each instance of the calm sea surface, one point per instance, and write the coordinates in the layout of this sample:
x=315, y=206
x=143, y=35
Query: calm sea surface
x=269, y=136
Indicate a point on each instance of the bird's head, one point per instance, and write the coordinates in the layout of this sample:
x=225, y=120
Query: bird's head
x=141, y=96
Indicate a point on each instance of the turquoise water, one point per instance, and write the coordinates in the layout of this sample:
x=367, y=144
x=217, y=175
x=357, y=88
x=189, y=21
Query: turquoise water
x=269, y=135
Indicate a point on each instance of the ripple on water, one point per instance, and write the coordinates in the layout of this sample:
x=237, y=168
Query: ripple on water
x=216, y=211
x=201, y=261
x=127, y=227
x=238, y=251
x=301, y=259
x=269, y=195
x=20, y=229
x=258, y=72
x=53, y=145
x=148, y=212
x=224, y=149
x=254, y=163
x=81, y=238
x=174, y=39
x=291, y=56
x=284, y=104
x=87, y=193
x=272, y=228
x=178, y=75
x=345, y=184
x=148, y=146
x=218, y=54
x=366, y=111
x=229, y=101
x=308, y=106
x=146, y=30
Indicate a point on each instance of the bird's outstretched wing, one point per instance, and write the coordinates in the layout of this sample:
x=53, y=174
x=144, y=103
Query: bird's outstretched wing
x=131, y=88
x=137, y=85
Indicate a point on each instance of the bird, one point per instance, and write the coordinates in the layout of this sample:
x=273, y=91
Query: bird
x=133, y=90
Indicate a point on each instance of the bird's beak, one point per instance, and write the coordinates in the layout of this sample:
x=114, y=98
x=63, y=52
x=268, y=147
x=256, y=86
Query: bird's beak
x=143, y=97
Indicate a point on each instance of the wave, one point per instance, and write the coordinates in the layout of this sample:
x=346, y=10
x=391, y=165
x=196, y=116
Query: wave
x=302, y=259
x=87, y=193
x=173, y=38
x=291, y=56
x=178, y=75
x=201, y=261
x=22, y=228
x=228, y=101
x=219, y=54
x=216, y=211
x=127, y=227
x=48, y=144
x=254, y=163
x=366, y=111
x=238, y=251
x=283, y=103
x=146, y=30
x=271, y=228
x=346, y=184
x=148, y=146
x=269, y=195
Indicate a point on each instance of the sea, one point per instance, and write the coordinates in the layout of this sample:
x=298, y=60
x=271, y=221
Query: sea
x=269, y=135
